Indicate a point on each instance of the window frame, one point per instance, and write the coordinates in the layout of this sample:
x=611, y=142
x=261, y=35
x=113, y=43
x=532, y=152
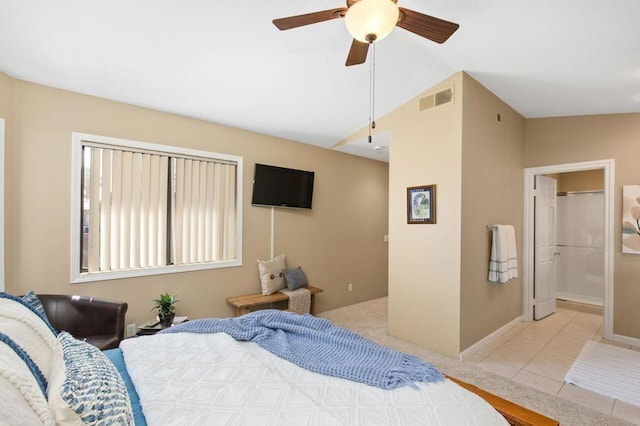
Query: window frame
x=76, y=275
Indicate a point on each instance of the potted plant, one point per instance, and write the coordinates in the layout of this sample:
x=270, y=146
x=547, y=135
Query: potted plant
x=166, y=310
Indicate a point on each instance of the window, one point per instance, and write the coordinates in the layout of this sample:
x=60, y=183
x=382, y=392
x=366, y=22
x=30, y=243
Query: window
x=145, y=209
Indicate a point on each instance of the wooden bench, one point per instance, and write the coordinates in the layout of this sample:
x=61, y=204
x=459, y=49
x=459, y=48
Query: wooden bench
x=242, y=304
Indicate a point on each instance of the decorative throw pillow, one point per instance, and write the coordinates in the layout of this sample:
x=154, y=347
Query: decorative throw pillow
x=33, y=368
x=30, y=304
x=85, y=387
x=271, y=277
x=22, y=399
x=32, y=299
x=295, y=278
x=28, y=330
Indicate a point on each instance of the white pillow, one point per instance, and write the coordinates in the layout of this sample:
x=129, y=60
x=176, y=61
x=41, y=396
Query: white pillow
x=21, y=398
x=85, y=387
x=271, y=274
x=29, y=331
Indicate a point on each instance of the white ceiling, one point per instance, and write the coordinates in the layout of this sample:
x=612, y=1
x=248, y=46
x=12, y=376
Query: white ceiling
x=225, y=62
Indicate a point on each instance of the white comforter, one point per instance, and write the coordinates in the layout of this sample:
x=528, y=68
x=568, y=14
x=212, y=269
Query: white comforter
x=188, y=379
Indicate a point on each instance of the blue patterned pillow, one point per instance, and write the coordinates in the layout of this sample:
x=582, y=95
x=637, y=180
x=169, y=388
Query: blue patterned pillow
x=295, y=278
x=32, y=300
x=85, y=385
x=37, y=374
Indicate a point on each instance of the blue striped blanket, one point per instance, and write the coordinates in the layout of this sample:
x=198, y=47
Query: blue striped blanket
x=319, y=346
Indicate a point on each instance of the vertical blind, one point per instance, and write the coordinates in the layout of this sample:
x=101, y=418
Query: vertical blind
x=204, y=207
x=128, y=200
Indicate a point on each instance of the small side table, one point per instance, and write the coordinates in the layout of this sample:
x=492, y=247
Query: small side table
x=148, y=330
x=152, y=328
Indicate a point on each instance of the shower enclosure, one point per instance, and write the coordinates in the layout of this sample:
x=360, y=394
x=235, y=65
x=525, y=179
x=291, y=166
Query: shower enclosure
x=579, y=239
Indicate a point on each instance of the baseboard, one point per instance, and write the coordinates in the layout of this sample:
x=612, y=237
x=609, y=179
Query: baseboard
x=626, y=340
x=577, y=306
x=570, y=297
x=467, y=353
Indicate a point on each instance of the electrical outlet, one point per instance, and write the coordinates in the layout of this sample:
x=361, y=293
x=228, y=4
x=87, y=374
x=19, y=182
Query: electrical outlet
x=131, y=330
x=350, y=287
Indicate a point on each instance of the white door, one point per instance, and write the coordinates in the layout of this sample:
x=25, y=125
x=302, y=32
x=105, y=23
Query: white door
x=544, y=287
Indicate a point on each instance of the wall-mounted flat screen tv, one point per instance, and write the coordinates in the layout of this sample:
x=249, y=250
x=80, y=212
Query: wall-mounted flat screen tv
x=282, y=187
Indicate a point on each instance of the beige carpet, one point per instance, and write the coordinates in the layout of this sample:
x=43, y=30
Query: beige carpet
x=369, y=319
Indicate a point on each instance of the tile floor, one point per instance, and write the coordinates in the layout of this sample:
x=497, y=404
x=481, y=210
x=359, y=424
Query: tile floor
x=540, y=353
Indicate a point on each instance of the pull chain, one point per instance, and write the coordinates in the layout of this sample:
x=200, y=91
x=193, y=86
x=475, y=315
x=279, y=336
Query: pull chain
x=372, y=91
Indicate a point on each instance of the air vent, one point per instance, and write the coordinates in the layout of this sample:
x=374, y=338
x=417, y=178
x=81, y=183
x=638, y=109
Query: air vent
x=435, y=99
x=444, y=97
x=427, y=102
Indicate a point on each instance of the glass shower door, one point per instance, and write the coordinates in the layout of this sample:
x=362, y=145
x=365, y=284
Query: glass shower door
x=580, y=238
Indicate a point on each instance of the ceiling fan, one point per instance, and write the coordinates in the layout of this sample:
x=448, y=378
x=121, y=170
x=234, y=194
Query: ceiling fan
x=369, y=21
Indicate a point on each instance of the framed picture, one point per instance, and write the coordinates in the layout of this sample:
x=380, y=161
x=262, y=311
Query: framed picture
x=421, y=204
x=631, y=219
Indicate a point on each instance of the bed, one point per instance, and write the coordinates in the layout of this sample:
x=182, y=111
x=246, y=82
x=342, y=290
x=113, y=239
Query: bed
x=199, y=375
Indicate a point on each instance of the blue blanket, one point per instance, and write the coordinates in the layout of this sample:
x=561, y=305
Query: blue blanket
x=319, y=346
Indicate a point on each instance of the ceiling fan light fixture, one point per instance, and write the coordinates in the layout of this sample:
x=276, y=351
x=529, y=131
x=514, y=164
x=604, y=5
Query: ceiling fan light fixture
x=371, y=20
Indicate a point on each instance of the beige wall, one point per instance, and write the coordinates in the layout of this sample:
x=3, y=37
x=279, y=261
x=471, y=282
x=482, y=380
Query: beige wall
x=439, y=296
x=586, y=138
x=424, y=260
x=5, y=95
x=492, y=193
x=588, y=180
x=340, y=241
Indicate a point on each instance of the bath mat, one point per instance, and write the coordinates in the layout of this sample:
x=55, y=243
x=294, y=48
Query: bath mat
x=608, y=370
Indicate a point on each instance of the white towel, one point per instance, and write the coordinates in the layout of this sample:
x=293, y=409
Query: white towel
x=299, y=300
x=503, y=265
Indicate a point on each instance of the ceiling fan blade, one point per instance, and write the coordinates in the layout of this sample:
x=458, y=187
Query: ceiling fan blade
x=357, y=53
x=309, y=18
x=435, y=29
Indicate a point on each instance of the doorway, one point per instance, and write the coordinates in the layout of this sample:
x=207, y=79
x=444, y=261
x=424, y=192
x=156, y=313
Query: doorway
x=607, y=168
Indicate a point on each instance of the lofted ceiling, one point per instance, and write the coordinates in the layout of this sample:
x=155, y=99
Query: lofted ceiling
x=225, y=62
